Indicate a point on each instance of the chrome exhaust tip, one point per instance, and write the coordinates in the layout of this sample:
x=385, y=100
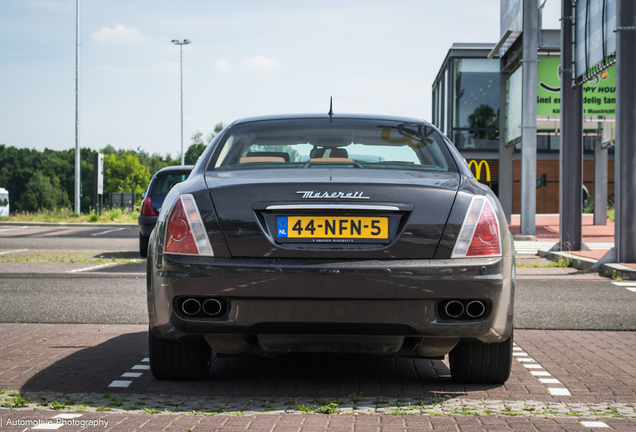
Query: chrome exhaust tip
x=191, y=307
x=475, y=309
x=454, y=309
x=212, y=307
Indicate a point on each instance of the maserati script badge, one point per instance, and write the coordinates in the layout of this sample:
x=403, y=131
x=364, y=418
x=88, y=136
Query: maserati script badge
x=332, y=195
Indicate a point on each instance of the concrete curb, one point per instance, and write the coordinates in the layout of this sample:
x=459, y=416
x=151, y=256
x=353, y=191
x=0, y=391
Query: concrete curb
x=518, y=237
x=583, y=263
x=72, y=224
x=84, y=275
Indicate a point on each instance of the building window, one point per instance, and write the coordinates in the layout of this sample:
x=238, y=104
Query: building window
x=476, y=104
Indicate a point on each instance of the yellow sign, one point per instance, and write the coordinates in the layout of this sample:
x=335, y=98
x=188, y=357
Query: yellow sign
x=478, y=166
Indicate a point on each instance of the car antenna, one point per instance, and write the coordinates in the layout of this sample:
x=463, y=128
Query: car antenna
x=330, y=108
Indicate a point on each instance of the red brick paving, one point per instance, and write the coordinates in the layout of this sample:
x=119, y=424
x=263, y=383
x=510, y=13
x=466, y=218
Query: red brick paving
x=595, y=366
x=309, y=423
x=547, y=228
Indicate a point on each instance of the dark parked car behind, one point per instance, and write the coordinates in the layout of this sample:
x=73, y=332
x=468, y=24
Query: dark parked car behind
x=343, y=233
x=153, y=198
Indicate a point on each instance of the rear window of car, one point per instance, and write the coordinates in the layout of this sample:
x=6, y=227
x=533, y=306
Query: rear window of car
x=165, y=180
x=337, y=143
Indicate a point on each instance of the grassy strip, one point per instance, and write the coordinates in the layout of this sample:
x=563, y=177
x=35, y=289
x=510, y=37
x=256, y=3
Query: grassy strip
x=70, y=256
x=561, y=263
x=67, y=215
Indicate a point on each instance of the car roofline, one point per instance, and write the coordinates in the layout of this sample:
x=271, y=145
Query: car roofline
x=176, y=168
x=327, y=116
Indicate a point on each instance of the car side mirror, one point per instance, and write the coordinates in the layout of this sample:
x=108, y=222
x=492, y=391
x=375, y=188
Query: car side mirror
x=143, y=195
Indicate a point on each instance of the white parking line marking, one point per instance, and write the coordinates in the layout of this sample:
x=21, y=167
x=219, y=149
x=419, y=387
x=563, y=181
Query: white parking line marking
x=13, y=251
x=594, y=424
x=146, y=360
x=516, y=348
x=109, y=231
x=141, y=367
x=120, y=384
x=132, y=375
x=625, y=284
x=12, y=229
x=549, y=381
x=50, y=426
x=530, y=363
x=519, y=354
x=559, y=391
x=632, y=289
x=91, y=268
x=68, y=416
x=533, y=366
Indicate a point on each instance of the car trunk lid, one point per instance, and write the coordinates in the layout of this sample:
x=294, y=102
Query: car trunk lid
x=333, y=213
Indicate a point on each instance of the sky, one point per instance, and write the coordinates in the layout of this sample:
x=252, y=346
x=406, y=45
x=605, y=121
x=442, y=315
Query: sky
x=247, y=58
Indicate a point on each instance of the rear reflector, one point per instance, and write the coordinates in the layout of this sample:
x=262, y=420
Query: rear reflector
x=146, y=208
x=185, y=232
x=480, y=234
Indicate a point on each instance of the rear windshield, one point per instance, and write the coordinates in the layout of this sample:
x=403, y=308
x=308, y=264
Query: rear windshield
x=165, y=180
x=341, y=143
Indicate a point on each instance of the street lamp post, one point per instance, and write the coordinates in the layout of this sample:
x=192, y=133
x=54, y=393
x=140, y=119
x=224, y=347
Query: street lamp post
x=78, y=160
x=181, y=44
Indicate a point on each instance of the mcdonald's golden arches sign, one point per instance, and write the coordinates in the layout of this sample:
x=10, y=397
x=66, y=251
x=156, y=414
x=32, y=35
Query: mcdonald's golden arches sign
x=485, y=170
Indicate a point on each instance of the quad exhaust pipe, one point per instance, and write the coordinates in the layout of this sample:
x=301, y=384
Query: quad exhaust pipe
x=212, y=307
x=462, y=309
x=192, y=306
x=454, y=309
x=475, y=309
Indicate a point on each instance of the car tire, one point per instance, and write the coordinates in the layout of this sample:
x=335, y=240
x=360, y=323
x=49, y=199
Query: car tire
x=475, y=362
x=143, y=245
x=183, y=359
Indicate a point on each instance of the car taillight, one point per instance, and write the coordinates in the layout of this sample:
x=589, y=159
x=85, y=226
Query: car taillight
x=146, y=208
x=185, y=232
x=480, y=233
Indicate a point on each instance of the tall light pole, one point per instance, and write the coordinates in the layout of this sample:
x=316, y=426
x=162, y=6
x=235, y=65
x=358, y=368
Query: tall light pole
x=181, y=44
x=78, y=162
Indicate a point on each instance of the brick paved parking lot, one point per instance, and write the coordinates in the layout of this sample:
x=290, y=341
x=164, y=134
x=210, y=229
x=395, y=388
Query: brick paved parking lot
x=561, y=379
x=311, y=423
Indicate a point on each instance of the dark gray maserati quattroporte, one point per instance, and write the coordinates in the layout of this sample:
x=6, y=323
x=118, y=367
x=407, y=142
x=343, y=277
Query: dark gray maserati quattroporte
x=331, y=233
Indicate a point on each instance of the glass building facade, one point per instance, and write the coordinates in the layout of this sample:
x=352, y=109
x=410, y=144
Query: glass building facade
x=466, y=107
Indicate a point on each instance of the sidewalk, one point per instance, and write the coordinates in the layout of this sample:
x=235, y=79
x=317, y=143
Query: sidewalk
x=561, y=380
x=548, y=228
x=598, y=239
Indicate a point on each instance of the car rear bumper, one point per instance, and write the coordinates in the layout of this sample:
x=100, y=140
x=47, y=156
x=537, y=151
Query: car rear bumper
x=331, y=297
x=146, y=224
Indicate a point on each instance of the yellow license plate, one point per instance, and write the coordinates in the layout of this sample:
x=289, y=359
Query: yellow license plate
x=327, y=227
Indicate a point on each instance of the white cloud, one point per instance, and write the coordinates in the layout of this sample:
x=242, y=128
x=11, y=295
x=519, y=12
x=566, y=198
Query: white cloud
x=222, y=66
x=261, y=64
x=118, y=34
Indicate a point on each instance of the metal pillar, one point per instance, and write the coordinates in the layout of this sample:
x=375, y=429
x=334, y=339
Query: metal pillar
x=506, y=163
x=625, y=153
x=529, y=117
x=571, y=154
x=600, y=181
x=78, y=160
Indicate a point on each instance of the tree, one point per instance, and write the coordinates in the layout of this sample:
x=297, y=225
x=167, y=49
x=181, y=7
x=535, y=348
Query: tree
x=43, y=192
x=196, y=148
x=484, y=117
x=217, y=129
x=124, y=173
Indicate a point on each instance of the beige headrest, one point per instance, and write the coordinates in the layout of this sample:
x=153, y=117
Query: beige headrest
x=261, y=159
x=330, y=160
